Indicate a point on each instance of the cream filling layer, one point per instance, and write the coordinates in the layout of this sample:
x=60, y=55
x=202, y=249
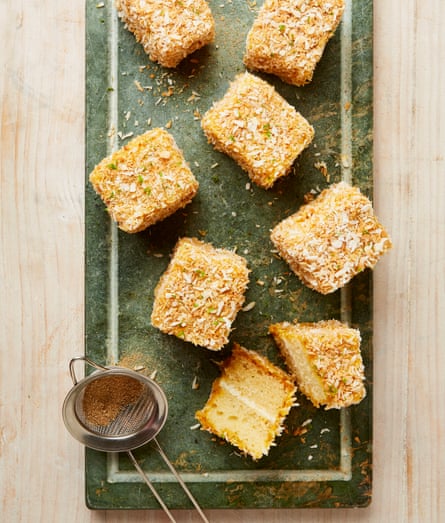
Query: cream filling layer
x=248, y=402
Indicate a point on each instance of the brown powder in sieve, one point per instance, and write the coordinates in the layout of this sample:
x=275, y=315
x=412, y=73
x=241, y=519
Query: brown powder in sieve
x=105, y=397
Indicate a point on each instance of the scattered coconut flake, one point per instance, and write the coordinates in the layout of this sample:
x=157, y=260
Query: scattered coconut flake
x=249, y=306
x=138, y=86
x=345, y=161
x=124, y=136
x=323, y=168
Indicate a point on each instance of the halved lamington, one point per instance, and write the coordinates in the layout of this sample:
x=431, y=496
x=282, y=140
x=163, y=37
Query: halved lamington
x=288, y=37
x=200, y=294
x=248, y=403
x=258, y=128
x=325, y=360
x=145, y=181
x=169, y=30
x=331, y=239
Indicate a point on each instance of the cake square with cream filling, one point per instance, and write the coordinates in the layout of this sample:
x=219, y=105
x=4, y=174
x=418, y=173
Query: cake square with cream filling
x=145, y=181
x=201, y=292
x=248, y=403
x=168, y=30
x=325, y=359
x=258, y=128
x=332, y=238
x=288, y=37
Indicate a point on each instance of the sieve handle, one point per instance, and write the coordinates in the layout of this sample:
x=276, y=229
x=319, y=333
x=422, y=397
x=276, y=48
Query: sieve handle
x=150, y=485
x=86, y=360
x=180, y=480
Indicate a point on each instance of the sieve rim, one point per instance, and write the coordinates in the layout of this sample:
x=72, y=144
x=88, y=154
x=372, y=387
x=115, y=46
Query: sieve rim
x=114, y=443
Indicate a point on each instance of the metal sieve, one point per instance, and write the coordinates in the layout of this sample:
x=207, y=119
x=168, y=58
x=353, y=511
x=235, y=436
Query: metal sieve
x=126, y=423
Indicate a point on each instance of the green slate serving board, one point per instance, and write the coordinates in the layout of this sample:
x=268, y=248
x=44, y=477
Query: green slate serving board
x=323, y=458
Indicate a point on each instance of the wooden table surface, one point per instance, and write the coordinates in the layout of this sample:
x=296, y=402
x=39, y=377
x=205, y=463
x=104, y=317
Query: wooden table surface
x=41, y=268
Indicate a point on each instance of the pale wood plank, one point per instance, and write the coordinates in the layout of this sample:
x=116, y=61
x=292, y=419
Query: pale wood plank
x=409, y=291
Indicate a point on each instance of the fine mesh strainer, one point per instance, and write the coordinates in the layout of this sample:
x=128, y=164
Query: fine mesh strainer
x=115, y=409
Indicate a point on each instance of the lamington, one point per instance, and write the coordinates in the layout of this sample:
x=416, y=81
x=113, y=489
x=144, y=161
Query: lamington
x=331, y=239
x=248, y=403
x=258, y=128
x=145, y=181
x=288, y=37
x=168, y=30
x=200, y=294
x=325, y=359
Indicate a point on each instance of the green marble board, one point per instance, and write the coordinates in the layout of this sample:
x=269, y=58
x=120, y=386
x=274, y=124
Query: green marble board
x=323, y=458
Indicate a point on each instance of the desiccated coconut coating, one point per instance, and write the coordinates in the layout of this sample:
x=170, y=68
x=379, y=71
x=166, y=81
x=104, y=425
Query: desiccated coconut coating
x=200, y=293
x=145, y=181
x=325, y=359
x=288, y=37
x=331, y=239
x=258, y=128
x=169, y=30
